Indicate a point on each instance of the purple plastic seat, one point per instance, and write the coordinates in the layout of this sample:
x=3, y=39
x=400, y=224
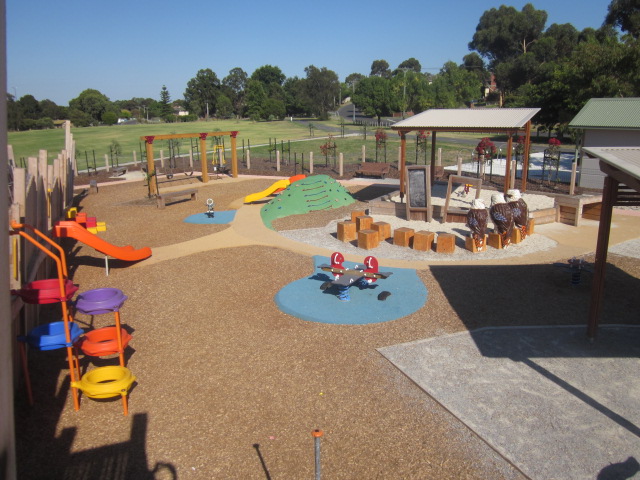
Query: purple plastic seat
x=100, y=300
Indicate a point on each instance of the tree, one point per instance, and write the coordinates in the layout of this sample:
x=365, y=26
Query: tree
x=380, y=68
x=268, y=74
x=256, y=99
x=236, y=83
x=455, y=86
x=408, y=64
x=30, y=107
x=373, y=96
x=295, y=94
x=165, y=103
x=624, y=14
x=322, y=86
x=109, y=118
x=92, y=103
x=224, y=107
x=503, y=34
x=201, y=93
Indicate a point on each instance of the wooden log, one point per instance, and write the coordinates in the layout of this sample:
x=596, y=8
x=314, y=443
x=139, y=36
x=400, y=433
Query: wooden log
x=383, y=229
x=423, y=240
x=347, y=231
x=516, y=235
x=363, y=222
x=402, y=236
x=531, y=226
x=367, y=239
x=446, y=243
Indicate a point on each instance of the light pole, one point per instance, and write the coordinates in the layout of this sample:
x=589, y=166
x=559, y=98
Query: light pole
x=404, y=90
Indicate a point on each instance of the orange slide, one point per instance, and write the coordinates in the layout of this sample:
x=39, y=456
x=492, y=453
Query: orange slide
x=77, y=231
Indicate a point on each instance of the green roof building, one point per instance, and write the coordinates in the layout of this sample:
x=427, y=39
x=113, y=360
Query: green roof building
x=606, y=122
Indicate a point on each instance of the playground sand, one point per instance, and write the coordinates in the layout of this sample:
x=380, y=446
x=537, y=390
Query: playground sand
x=229, y=387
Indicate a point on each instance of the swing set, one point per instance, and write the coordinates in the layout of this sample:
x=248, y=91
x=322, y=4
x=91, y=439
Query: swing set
x=151, y=167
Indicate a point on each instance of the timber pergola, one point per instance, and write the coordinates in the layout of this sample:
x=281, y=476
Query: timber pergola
x=508, y=121
x=621, y=165
x=151, y=166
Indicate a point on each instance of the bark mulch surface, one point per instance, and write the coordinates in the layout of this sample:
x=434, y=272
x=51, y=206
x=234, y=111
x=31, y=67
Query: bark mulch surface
x=228, y=387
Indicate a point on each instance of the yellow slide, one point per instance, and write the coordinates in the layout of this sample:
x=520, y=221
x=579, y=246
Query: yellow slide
x=265, y=193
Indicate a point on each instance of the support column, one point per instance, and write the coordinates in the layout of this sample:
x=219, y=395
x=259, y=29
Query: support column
x=151, y=166
x=203, y=158
x=507, y=172
x=604, y=229
x=234, y=155
x=403, y=161
x=525, y=161
x=433, y=158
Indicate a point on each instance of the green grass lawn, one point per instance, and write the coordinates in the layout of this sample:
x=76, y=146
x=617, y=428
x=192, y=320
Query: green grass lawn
x=96, y=141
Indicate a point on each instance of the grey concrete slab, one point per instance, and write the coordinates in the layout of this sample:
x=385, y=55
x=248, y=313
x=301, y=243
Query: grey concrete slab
x=552, y=403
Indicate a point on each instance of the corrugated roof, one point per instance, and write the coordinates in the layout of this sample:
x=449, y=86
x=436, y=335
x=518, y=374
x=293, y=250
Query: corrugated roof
x=626, y=159
x=618, y=113
x=480, y=118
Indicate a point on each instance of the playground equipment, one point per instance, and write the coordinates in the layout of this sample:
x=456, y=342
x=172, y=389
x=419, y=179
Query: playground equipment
x=61, y=334
x=361, y=276
x=174, y=156
x=90, y=223
x=101, y=382
x=274, y=188
x=210, y=208
x=75, y=230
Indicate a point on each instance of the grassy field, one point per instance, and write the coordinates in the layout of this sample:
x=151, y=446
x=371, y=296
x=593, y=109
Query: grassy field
x=96, y=141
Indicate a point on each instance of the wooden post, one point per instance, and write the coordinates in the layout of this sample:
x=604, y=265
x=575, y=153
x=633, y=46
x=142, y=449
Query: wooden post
x=600, y=264
x=161, y=158
x=248, y=159
x=459, y=165
x=135, y=159
x=439, y=159
x=507, y=173
x=341, y=165
x=151, y=166
x=277, y=160
x=403, y=152
x=234, y=155
x=364, y=153
x=513, y=173
x=203, y=158
x=311, y=163
x=525, y=161
x=572, y=185
x=107, y=167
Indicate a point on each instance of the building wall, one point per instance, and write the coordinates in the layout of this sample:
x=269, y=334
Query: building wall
x=590, y=174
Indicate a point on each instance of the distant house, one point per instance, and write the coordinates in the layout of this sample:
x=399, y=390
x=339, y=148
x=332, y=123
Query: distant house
x=606, y=122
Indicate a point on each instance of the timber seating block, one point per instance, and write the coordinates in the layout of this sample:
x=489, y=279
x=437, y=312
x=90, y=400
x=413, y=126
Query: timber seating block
x=516, y=235
x=423, y=240
x=373, y=169
x=347, y=231
x=93, y=186
x=383, y=229
x=357, y=213
x=364, y=222
x=446, y=243
x=162, y=197
x=470, y=245
x=494, y=240
x=531, y=226
x=402, y=236
x=367, y=239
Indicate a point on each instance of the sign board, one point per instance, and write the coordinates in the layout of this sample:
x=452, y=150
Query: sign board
x=418, y=183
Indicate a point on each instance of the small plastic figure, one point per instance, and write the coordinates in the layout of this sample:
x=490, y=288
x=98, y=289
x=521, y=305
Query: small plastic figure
x=210, y=208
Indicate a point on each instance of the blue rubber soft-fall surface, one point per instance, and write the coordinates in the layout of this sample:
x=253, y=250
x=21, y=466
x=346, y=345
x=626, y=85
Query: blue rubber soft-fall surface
x=304, y=299
x=222, y=217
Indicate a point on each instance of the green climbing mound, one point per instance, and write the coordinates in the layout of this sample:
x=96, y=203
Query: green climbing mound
x=318, y=192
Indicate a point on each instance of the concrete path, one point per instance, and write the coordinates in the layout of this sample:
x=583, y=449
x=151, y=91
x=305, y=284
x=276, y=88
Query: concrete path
x=548, y=400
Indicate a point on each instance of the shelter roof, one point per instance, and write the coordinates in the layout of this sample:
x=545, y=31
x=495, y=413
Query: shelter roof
x=471, y=119
x=609, y=113
x=626, y=159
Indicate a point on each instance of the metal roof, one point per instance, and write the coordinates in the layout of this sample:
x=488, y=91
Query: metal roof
x=609, y=113
x=481, y=119
x=626, y=159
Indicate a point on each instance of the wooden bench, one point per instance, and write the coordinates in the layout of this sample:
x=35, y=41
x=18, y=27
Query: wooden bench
x=160, y=199
x=373, y=169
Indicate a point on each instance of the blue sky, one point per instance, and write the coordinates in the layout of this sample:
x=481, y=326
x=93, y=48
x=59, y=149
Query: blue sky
x=130, y=48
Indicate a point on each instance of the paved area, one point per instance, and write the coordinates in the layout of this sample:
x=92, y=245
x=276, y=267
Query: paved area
x=548, y=400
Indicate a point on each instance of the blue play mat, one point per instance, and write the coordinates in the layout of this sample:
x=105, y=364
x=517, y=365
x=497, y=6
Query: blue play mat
x=218, y=218
x=304, y=298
